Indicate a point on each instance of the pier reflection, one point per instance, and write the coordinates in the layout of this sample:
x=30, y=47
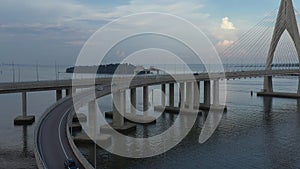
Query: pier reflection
x=267, y=107
x=25, y=141
x=298, y=112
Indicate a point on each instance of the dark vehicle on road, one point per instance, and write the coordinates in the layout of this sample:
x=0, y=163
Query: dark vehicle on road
x=70, y=164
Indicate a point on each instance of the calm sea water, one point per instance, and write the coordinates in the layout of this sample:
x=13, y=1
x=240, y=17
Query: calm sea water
x=254, y=133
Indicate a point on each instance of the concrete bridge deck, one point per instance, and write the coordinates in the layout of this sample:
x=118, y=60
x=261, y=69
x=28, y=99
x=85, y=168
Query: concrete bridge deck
x=33, y=86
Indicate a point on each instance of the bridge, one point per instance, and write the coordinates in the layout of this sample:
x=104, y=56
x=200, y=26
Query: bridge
x=67, y=85
x=256, y=63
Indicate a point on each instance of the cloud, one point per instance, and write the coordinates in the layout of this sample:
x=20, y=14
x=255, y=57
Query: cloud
x=34, y=28
x=225, y=35
x=76, y=43
x=224, y=44
x=71, y=22
x=36, y=16
x=227, y=25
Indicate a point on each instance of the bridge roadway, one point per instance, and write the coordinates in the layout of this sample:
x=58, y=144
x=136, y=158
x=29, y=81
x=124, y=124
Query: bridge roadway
x=66, y=84
x=51, y=140
x=53, y=145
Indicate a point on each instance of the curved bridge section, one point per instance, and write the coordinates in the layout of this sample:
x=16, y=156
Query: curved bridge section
x=51, y=136
x=51, y=141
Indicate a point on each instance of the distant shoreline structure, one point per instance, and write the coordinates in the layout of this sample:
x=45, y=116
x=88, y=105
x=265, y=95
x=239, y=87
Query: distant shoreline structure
x=104, y=69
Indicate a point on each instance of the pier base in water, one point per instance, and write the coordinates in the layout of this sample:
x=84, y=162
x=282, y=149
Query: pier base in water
x=135, y=118
x=185, y=110
x=24, y=120
x=126, y=128
x=103, y=140
x=279, y=94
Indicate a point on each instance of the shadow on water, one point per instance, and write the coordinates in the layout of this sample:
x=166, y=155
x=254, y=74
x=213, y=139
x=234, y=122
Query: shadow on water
x=25, y=141
x=267, y=103
x=298, y=112
x=280, y=131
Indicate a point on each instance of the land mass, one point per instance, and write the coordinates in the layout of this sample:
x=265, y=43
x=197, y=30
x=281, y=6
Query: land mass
x=104, y=69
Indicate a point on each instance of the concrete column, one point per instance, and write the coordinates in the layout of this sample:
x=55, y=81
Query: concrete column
x=182, y=94
x=163, y=95
x=58, y=94
x=68, y=92
x=145, y=98
x=24, y=119
x=186, y=94
x=133, y=100
x=171, y=95
x=299, y=85
x=190, y=95
x=216, y=92
x=207, y=92
x=118, y=118
x=73, y=90
x=92, y=117
x=24, y=104
x=268, y=84
x=197, y=93
x=123, y=102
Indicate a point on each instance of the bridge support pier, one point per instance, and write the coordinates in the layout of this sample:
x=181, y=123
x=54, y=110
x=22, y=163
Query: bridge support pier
x=298, y=92
x=171, y=94
x=268, y=84
x=118, y=108
x=163, y=95
x=216, y=91
x=190, y=95
x=207, y=93
x=92, y=117
x=68, y=92
x=145, y=99
x=197, y=93
x=268, y=90
x=118, y=115
x=133, y=101
x=24, y=119
x=182, y=95
x=286, y=21
x=58, y=94
x=92, y=138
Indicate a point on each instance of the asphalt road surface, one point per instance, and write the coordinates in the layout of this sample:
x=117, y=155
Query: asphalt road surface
x=52, y=138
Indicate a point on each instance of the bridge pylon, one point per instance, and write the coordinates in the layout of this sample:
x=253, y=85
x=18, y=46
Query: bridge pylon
x=286, y=20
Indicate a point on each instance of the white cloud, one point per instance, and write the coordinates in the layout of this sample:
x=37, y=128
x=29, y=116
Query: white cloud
x=227, y=25
x=224, y=44
x=76, y=43
x=83, y=17
x=72, y=22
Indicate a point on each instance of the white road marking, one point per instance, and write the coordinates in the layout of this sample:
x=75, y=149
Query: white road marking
x=59, y=127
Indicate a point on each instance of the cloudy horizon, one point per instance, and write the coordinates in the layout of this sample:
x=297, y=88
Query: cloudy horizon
x=54, y=31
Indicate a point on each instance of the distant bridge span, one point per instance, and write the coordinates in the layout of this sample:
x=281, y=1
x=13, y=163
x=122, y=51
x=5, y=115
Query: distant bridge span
x=34, y=86
x=72, y=85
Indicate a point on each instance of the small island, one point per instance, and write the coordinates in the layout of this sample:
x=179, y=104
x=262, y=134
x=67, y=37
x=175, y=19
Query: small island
x=104, y=69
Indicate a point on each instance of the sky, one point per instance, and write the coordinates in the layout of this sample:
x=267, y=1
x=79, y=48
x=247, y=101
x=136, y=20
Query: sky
x=52, y=31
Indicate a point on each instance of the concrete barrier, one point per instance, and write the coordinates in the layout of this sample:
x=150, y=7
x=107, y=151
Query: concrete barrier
x=75, y=150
